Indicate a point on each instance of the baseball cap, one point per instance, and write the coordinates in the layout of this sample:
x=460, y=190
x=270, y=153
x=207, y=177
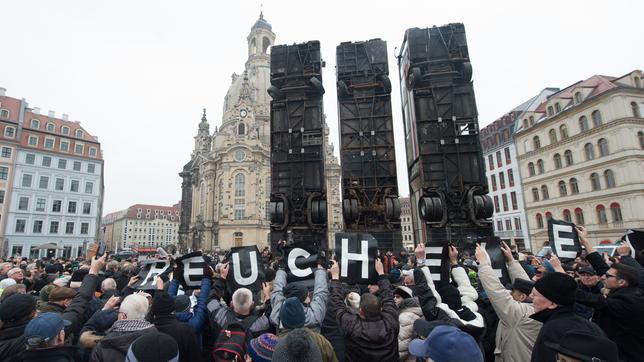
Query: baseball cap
x=587, y=270
x=447, y=343
x=43, y=328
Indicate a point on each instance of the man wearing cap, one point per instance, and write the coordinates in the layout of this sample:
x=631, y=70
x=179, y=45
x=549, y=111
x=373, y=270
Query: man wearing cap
x=582, y=346
x=443, y=343
x=314, y=306
x=59, y=299
x=45, y=339
x=15, y=312
x=553, y=299
x=516, y=332
x=589, y=282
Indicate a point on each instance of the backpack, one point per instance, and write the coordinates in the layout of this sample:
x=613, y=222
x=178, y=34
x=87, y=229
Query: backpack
x=233, y=338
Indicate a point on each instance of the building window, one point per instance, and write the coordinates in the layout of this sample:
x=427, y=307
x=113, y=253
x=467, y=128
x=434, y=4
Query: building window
x=2, y=192
x=501, y=180
x=9, y=132
x=531, y=169
x=23, y=204
x=568, y=157
x=609, y=176
x=20, y=225
x=89, y=187
x=62, y=164
x=49, y=143
x=240, y=185
x=33, y=141
x=589, y=151
x=57, y=206
x=535, y=194
x=511, y=177
x=567, y=216
x=53, y=227
x=78, y=148
x=37, y=227
x=525, y=123
x=616, y=212
x=64, y=146
x=75, y=185
x=239, y=209
x=496, y=204
x=562, y=189
x=71, y=207
x=65, y=130
x=540, y=167
x=241, y=129
x=46, y=161
x=508, y=224
x=499, y=225
x=30, y=159
x=579, y=216
x=513, y=198
x=6, y=152
x=548, y=215
x=517, y=223
x=577, y=97
x=44, y=182
x=490, y=161
x=87, y=208
x=508, y=159
x=79, y=133
x=557, y=107
x=4, y=172
x=493, y=179
x=636, y=110
x=601, y=214
x=92, y=152
x=50, y=127
x=597, y=118
x=77, y=166
x=60, y=184
x=539, y=221
x=563, y=131
x=574, y=186
x=69, y=228
x=583, y=123
x=499, y=162
x=603, y=147
x=594, y=181
x=553, y=136
x=91, y=168
x=40, y=204
x=531, y=120
x=544, y=192
x=557, y=159
x=84, y=228
x=26, y=180
x=504, y=200
x=550, y=111
x=536, y=142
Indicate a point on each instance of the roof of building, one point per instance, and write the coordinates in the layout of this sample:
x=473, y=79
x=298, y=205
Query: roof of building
x=133, y=211
x=261, y=23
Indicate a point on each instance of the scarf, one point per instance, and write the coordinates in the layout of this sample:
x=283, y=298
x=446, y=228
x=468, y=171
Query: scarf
x=130, y=325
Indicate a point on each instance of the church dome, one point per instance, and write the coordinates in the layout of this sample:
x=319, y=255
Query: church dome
x=262, y=24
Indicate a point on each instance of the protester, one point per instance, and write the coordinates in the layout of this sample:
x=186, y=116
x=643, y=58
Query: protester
x=199, y=316
x=45, y=338
x=444, y=343
x=591, y=283
x=408, y=312
x=16, y=274
x=15, y=312
x=584, y=346
x=154, y=347
x=261, y=349
x=297, y=346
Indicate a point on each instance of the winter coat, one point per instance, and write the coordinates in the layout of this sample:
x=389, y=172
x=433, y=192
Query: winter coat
x=409, y=311
x=516, y=332
x=326, y=349
x=314, y=312
x=199, y=316
x=368, y=339
x=115, y=345
x=585, y=311
x=53, y=354
x=620, y=315
x=12, y=341
x=556, y=322
x=182, y=333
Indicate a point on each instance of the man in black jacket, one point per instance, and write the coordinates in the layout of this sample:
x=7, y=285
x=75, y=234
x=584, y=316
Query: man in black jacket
x=553, y=299
x=45, y=337
x=15, y=312
x=372, y=334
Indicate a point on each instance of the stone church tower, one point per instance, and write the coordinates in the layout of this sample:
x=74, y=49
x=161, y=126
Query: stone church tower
x=226, y=184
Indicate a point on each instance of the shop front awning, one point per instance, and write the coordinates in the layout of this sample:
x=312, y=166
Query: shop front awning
x=46, y=246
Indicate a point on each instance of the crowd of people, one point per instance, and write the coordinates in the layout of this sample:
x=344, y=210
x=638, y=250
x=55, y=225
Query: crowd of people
x=589, y=309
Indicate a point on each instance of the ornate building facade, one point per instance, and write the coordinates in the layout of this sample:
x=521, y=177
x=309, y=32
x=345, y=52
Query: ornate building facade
x=226, y=184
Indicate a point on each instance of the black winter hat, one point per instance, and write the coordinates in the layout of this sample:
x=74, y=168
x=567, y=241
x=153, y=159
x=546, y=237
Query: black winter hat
x=559, y=288
x=182, y=303
x=51, y=269
x=292, y=314
x=17, y=307
x=585, y=346
x=297, y=346
x=152, y=347
x=163, y=304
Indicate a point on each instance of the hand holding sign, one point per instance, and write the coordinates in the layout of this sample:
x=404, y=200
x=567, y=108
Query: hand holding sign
x=419, y=252
x=481, y=256
x=507, y=251
x=380, y=269
x=564, y=237
x=335, y=270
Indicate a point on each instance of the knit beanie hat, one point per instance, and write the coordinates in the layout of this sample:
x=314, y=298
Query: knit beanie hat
x=394, y=276
x=153, y=347
x=297, y=346
x=44, y=292
x=292, y=313
x=261, y=348
x=404, y=292
x=559, y=288
x=162, y=304
x=17, y=307
x=182, y=303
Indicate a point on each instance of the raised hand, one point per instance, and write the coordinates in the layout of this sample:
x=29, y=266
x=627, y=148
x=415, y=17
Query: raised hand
x=380, y=269
x=506, y=251
x=481, y=255
x=335, y=269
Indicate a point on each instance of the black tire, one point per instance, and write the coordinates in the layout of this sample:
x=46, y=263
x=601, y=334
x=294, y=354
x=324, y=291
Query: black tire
x=276, y=210
x=397, y=209
x=343, y=89
x=389, y=208
x=323, y=211
x=467, y=71
x=386, y=84
x=346, y=210
x=413, y=77
x=425, y=204
x=483, y=206
x=275, y=92
x=317, y=85
x=438, y=208
x=355, y=215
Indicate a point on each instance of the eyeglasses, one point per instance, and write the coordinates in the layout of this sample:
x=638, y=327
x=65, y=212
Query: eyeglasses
x=608, y=275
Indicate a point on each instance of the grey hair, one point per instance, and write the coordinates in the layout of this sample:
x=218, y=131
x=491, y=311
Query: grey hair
x=242, y=300
x=135, y=306
x=108, y=284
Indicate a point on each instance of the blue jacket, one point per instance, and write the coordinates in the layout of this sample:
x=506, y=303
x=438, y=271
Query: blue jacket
x=198, y=317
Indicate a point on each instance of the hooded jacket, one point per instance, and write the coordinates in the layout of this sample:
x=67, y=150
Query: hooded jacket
x=409, y=311
x=368, y=339
x=516, y=332
x=199, y=316
x=12, y=341
x=314, y=312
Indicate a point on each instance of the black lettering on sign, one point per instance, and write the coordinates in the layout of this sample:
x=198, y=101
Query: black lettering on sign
x=492, y=247
x=356, y=254
x=564, y=239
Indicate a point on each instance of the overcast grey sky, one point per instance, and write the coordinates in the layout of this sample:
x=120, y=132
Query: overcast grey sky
x=137, y=73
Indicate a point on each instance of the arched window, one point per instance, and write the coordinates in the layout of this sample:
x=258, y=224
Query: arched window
x=540, y=167
x=240, y=185
x=79, y=133
x=568, y=157
x=597, y=118
x=238, y=238
x=548, y=215
x=640, y=137
x=557, y=107
x=531, y=120
x=574, y=186
x=616, y=212
x=589, y=151
x=553, y=136
x=579, y=216
x=550, y=111
x=563, y=130
x=253, y=47
x=241, y=129
x=557, y=159
x=525, y=123
x=562, y=189
x=636, y=110
x=583, y=123
x=64, y=130
x=594, y=181
x=601, y=214
x=539, y=221
x=266, y=44
x=567, y=216
x=603, y=147
x=506, y=134
x=535, y=194
x=536, y=142
x=531, y=169
x=51, y=127
x=544, y=192
x=577, y=97
x=609, y=176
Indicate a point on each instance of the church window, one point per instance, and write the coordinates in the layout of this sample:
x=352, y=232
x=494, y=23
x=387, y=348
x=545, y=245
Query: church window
x=240, y=155
x=241, y=129
x=266, y=45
